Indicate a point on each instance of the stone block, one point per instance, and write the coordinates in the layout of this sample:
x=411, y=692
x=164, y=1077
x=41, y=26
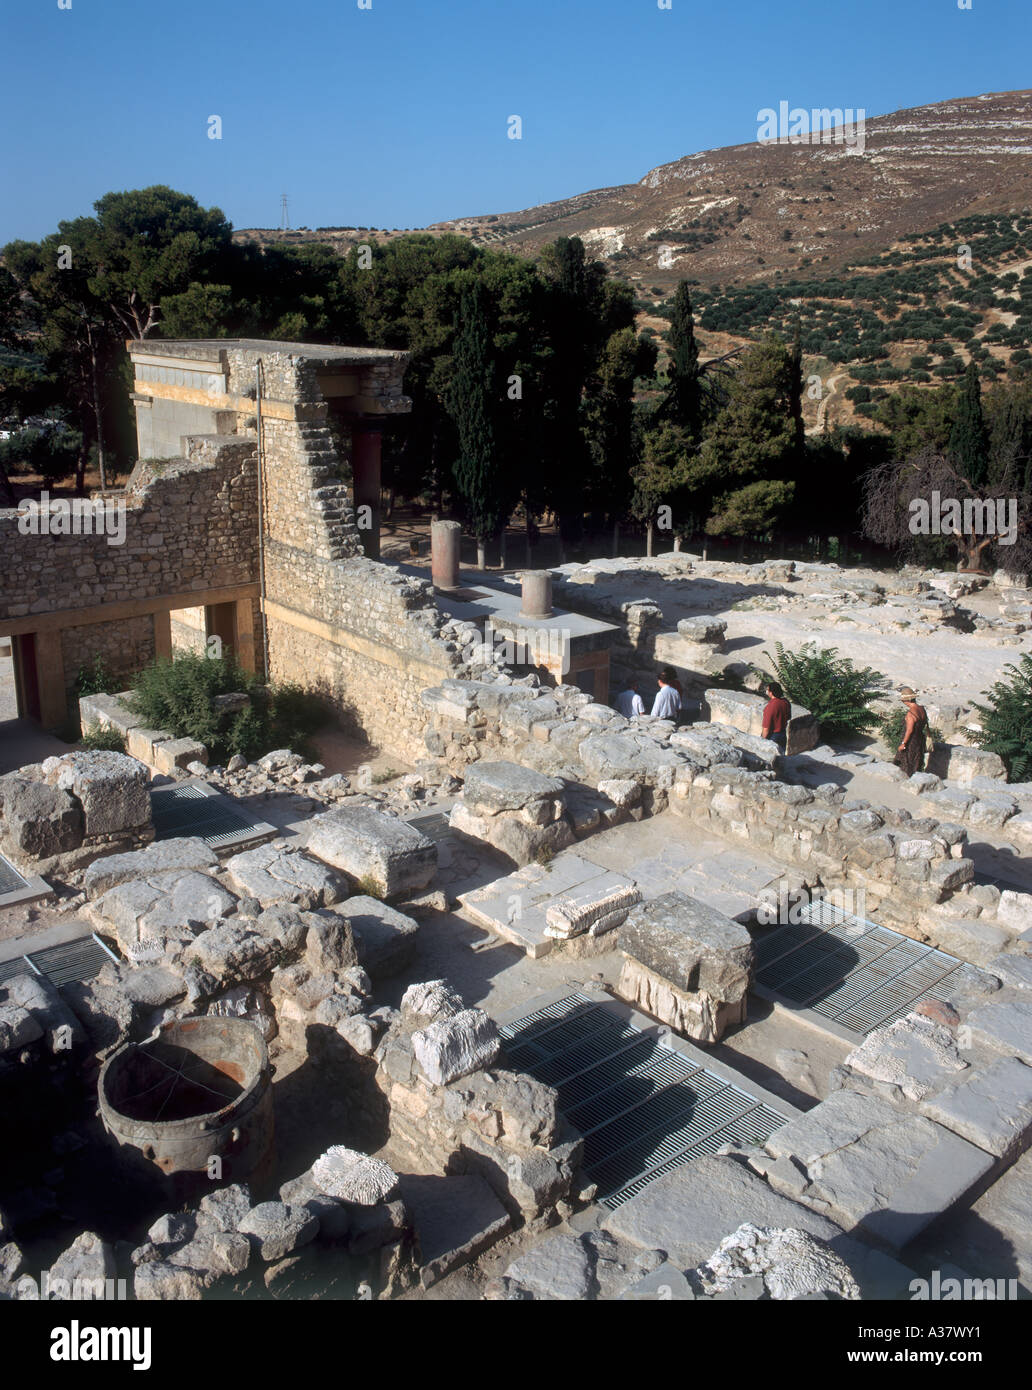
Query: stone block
x=504, y=786
x=449, y=1048
x=589, y=909
x=110, y=787
x=275, y=1229
x=39, y=820
x=273, y=874
x=455, y=1220
x=1005, y=1026
x=690, y=944
x=107, y=712
x=970, y=939
x=958, y=763
x=913, y=1053
x=1014, y=910
x=351, y=1176
x=866, y=1163
x=372, y=847
x=178, y=753
x=141, y=742
x=992, y=1108
x=188, y=852
x=385, y=939
x=744, y=711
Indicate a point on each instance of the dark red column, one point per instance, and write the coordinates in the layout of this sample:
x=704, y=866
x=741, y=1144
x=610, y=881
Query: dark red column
x=366, y=443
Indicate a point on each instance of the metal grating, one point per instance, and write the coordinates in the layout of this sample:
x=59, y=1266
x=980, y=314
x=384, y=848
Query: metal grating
x=434, y=827
x=188, y=810
x=71, y=961
x=851, y=971
x=642, y=1106
x=11, y=880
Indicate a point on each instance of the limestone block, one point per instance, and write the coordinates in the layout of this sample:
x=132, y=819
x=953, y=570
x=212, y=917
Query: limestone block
x=865, y=1162
x=187, y=852
x=510, y=833
x=178, y=753
x=286, y=874
x=385, y=939
x=1014, y=910
x=690, y=945
x=913, y=1053
x=110, y=787
x=786, y=1264
x=992, y=1108
x=232, y=953
x=275, y=1229
x=587, y=909
x=491, y=787
x=1005, y=1027
x=972, y=940
x=141, y=742
x=39, y=820
x=959, y=763
x=369, y=845
x=352, y=1176
x=453, y=1047
x=109, y=712
x=625, y=756
x=745, y=712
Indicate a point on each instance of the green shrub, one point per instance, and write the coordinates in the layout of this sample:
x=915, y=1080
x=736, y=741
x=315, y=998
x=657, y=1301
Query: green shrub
x=179, y=696
x=96, y=679
x=835, y=691
x=1007, y=720
x=101, y=740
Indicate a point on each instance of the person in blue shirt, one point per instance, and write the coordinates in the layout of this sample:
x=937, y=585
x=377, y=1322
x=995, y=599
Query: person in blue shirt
x=667, y=704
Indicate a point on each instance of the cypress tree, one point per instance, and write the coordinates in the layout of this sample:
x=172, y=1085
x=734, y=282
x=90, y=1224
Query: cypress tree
x=684, y=399
x=485, y=498
x=969, y=439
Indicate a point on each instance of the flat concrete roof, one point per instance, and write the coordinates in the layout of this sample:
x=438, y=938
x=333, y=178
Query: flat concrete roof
x=316, y=352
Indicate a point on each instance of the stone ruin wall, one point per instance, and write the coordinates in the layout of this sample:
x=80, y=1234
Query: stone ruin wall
x=914, y=873
x=190, y=524
x=353, y=629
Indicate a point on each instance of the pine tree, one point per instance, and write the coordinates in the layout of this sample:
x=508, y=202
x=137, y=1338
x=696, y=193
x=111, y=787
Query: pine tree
x=969, y=440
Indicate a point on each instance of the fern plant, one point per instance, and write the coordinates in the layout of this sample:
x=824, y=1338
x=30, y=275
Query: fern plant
x=835, y=691
x=1007, y=720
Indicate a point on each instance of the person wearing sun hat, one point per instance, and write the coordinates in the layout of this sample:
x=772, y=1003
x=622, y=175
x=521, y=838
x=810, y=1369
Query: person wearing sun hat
x=911, y=753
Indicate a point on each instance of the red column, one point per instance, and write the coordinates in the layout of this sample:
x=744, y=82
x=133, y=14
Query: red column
x=365, y=467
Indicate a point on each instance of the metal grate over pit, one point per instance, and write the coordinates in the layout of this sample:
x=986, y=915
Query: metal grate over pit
x=848, y=970
x=11, y=880
x=189, y=810
x=642, y=1106
x=71, y=961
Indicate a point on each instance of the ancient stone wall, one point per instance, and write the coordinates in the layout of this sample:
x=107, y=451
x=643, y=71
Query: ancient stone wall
x=190, y=524
x=124, y=647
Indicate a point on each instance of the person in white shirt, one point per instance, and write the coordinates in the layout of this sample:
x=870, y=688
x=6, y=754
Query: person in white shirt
x=667, y=703
x=629, y=702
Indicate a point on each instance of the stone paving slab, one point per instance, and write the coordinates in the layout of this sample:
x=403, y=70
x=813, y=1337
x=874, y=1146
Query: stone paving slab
x=455, y=1218
x=690, y=1210
x=866, y=1163
x=992, y=1108
x=515, y=907
x=1003, y=1026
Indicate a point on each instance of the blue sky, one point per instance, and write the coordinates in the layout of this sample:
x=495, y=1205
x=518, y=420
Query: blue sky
x=396, y=115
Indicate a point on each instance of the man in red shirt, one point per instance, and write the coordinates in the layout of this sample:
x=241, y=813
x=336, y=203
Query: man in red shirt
x=776, y=714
